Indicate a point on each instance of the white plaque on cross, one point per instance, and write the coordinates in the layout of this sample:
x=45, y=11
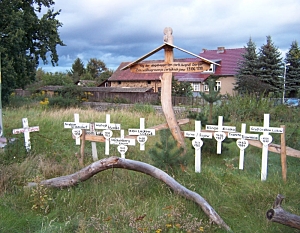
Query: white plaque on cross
x=107, y=128
x=242, y=142
x=265, y=139
x=142, y=133
x=26, y=130
x=122, y=143
x=220, y=135
x=76, y=127
x=197, y=143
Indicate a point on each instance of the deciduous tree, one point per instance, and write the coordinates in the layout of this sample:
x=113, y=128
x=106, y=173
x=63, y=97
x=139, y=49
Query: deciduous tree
x=26, y=37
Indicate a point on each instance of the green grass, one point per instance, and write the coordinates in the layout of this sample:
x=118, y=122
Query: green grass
x=119, y=200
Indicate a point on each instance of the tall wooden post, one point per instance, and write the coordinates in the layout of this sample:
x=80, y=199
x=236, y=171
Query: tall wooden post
x=283, y=154
x=166, y=92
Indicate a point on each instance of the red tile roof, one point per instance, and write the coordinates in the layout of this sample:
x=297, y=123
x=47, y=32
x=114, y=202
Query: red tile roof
x=227, y=58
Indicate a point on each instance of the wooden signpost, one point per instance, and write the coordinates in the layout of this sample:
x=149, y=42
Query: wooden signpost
x=220, y=135
x=76, y=127
x=197, y=143
x=265, y=139
x=122, y=143
x=142, y=133
x=107, y=128
x=167, y=68
x=26, y=130
x=242, y=142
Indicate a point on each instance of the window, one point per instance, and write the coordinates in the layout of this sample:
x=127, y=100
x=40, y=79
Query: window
x=196, y=86
x=218, y=85
x=149, y=82
x=119, y=82
x=205, y=88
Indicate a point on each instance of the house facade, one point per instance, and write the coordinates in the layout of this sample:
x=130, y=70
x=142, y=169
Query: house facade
x=226, y=65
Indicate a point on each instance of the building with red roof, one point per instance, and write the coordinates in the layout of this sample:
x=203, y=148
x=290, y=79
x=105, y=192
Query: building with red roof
x=226, y=65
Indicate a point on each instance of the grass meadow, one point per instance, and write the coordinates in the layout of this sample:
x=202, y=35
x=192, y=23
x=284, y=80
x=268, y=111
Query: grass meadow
x=119, y=200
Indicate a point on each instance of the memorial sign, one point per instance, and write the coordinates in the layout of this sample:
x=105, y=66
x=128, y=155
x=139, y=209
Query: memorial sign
x=265, y=139
x=26, y=130
x=178, y=67
x=107, y=128
x=76, y=127
x=242, y=142
x=142, y=133
x=122, y=143
x=197, y=143
x=220, y=135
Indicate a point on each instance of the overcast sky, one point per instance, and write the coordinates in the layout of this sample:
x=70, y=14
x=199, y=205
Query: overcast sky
x=124, y=30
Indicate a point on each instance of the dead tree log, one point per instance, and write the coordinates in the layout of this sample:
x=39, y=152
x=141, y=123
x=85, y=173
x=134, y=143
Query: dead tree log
x=279, y=215
x=116, y=162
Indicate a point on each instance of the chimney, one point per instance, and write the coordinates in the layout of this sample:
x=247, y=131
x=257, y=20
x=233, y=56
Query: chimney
x=204, y=50
x=221, y=50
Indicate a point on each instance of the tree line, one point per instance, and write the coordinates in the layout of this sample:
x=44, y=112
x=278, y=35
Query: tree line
x=265, y=72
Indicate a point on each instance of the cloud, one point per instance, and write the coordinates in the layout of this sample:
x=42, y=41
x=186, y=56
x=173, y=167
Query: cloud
x=124, y=30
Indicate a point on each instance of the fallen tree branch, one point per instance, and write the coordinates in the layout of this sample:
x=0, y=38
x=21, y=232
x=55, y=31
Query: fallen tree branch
x=116, y=162
x=279, y=215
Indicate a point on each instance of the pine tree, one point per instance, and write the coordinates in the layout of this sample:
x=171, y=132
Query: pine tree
x=77, y=69
x=213, y=94
x=165, y=154
x=270, y=65
x=292, y=83
x=247, y=78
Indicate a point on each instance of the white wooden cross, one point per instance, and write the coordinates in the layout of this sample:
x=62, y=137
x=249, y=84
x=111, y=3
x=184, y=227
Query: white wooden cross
x=242, y=142
x=107, y=131
x=197, y=143
x=92, y=131
x=26, y=130
x=122, y=143
x=220, y=135
x=265, y=139
x=142, y=133
x=76, y=127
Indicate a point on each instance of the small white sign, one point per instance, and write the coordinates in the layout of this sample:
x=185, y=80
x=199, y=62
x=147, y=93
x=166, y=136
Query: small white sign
x=197, y=144
x=242, y=144
x=77, y=133
x=142, y=139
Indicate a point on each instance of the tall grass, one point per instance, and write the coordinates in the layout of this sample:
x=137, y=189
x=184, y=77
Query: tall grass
x=119, y=200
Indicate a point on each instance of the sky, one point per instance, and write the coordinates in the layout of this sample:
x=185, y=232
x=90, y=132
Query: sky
x=116, y=31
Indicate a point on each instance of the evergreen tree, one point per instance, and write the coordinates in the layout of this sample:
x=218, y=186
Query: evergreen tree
x=270, y=65
x=77, y=70
x=247, y=77
x=165, y=154
x=213, y=94
x=292, y=84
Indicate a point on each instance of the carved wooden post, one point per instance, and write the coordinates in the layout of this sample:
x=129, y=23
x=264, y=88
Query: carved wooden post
x=166, y=91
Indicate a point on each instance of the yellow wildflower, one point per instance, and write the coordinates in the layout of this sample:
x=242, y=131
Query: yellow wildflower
x=168, y=225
